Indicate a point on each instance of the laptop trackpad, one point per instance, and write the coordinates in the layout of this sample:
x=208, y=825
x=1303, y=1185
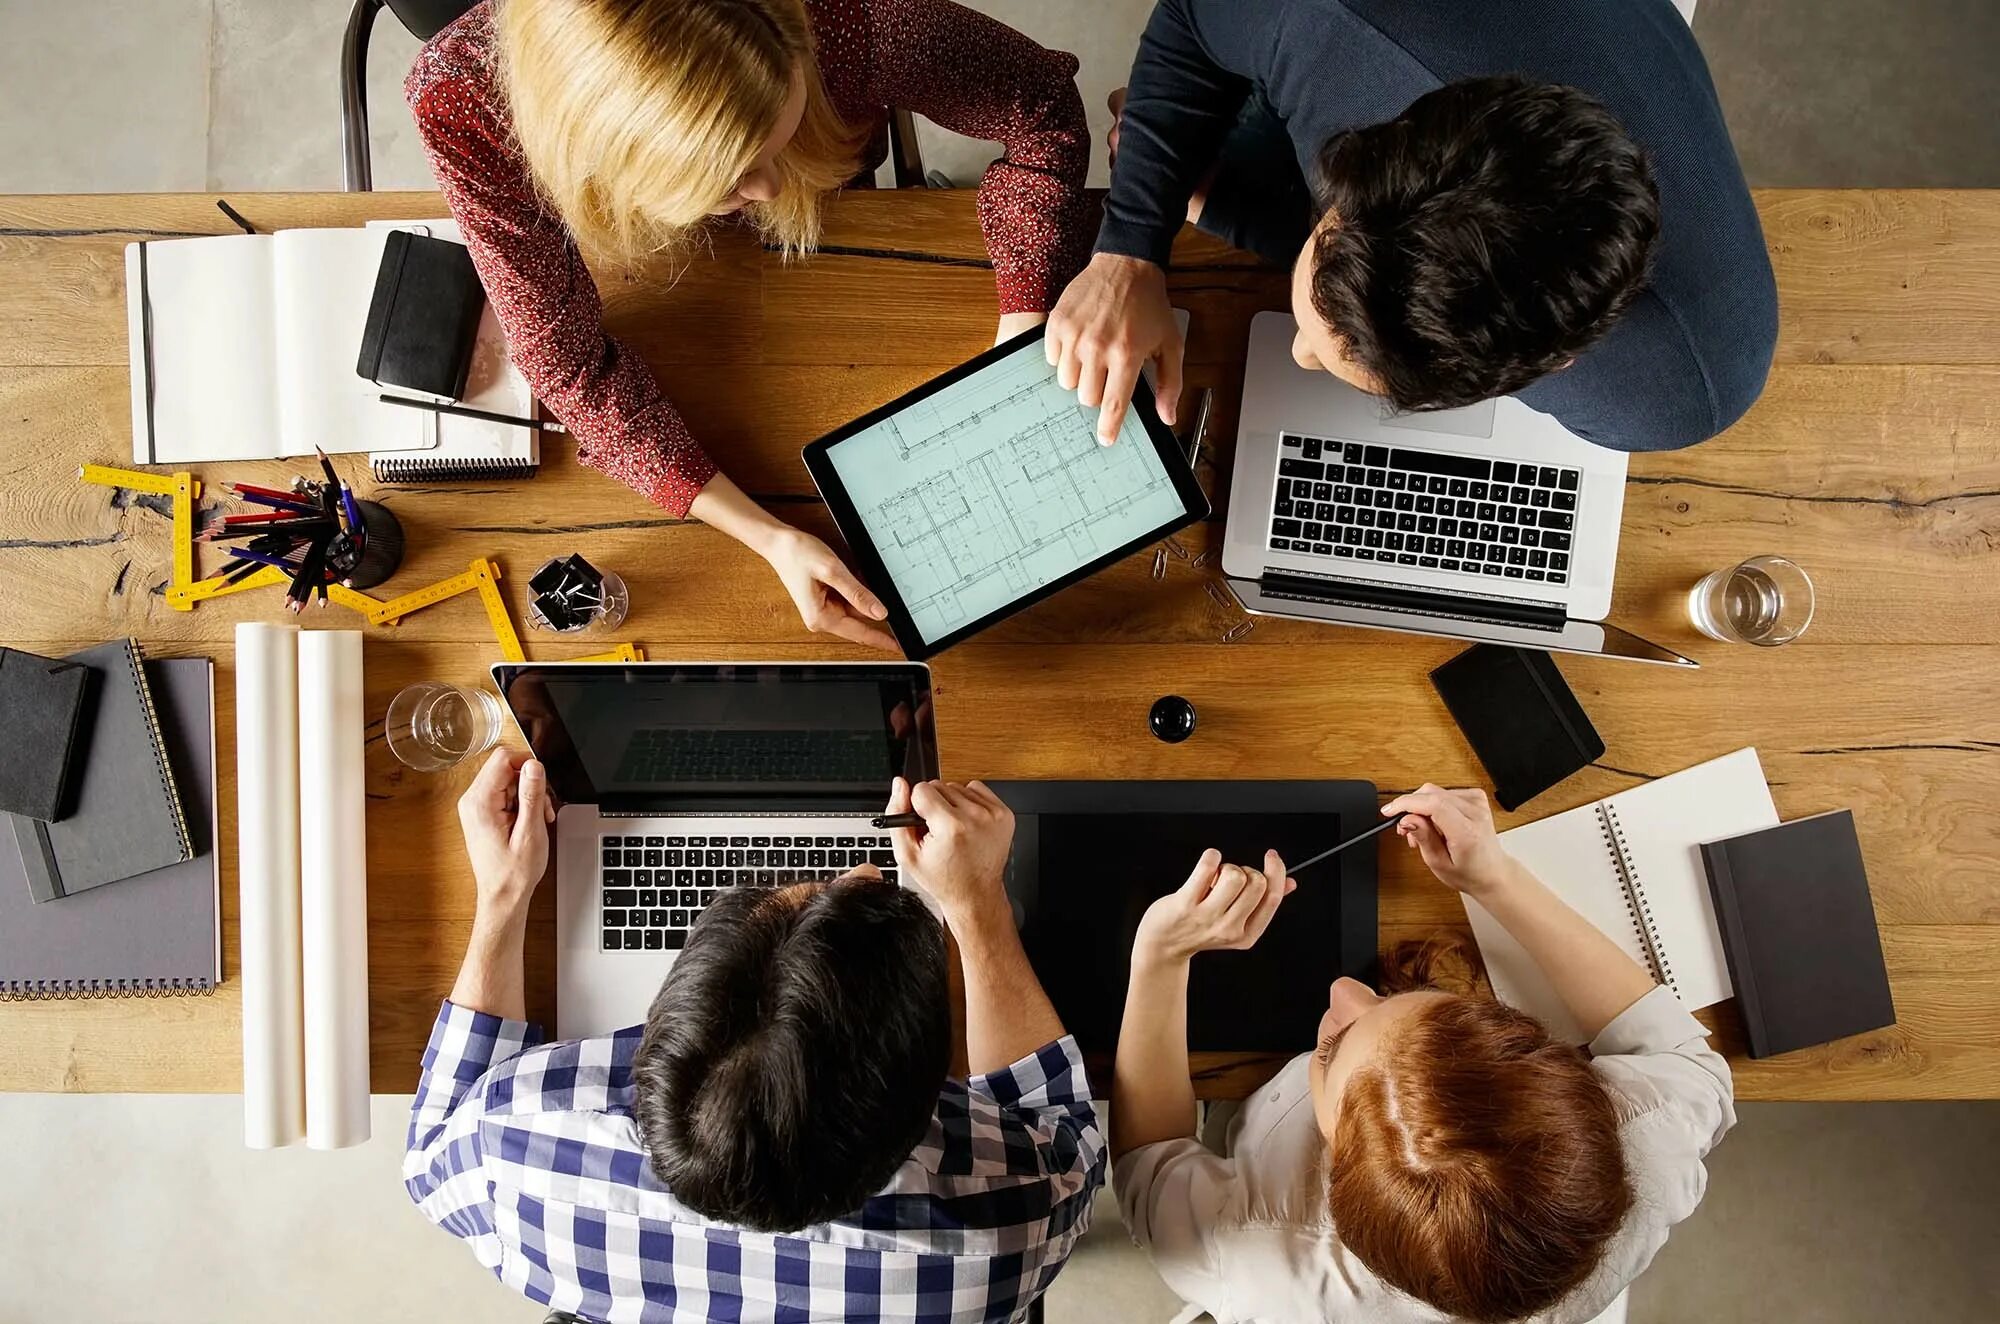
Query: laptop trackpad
x=1471, y=421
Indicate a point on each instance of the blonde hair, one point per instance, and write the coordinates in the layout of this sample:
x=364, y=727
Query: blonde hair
x=638, y=117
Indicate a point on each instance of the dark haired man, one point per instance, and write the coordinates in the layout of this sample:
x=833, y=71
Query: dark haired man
x=1478, y=198
x=781, y=1138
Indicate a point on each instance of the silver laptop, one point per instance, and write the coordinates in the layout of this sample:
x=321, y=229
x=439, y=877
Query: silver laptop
x=680, y=780
x=1491, y=523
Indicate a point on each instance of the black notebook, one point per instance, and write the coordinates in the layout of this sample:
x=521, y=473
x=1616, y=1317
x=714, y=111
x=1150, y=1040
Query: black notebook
x=42, y=702
x=423, y=317
x=1798, y=928
x=128, y=817
x=1520, y=717
x=151, y=935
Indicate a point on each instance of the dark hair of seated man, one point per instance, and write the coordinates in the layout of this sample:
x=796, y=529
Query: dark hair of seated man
x=793, y=1057
x=1481, y=239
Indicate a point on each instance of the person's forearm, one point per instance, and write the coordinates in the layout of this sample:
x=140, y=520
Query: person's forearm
x=1595, y=980
x=492, y=979
x=725, y=507
x=1152, y=1093
x=1007, y=1015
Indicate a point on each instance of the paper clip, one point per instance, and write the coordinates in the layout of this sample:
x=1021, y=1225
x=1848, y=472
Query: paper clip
x=1159, y=563
x=1238, y=630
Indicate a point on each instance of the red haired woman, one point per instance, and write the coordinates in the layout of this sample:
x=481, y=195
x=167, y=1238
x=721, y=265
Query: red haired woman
x=1439, y=1156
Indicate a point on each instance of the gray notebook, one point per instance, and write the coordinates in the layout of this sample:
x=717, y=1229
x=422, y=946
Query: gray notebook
x=128, y=818
x=156, y=933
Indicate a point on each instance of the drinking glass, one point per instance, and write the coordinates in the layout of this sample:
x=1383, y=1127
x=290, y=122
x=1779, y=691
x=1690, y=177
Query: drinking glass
x=1766, y=601
x=433, y=726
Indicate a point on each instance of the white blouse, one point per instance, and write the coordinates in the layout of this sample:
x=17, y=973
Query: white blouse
x=1248, y=1237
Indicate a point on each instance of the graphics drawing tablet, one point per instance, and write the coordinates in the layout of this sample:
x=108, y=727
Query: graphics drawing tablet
x=984, y=491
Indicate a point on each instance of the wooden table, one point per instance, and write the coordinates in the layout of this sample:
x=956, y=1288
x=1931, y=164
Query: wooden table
x=1873, y=458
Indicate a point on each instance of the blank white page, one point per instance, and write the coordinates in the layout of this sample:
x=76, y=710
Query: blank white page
x=323, y=282
x=214, y=393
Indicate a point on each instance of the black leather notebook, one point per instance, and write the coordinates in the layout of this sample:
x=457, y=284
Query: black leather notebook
x=41, y=703
x=1520, y=717
x=424, y=316
x=128, y=817
x=1798, y=928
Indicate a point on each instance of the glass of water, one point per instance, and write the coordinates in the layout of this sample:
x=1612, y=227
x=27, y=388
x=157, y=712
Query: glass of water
x=1765, y=601
x=433, y=726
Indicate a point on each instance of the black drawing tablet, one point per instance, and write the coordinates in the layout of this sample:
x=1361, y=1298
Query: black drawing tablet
x=1089, y=857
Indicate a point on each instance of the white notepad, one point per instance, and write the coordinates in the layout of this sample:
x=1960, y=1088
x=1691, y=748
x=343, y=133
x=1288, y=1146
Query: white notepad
x=1631, y=865
x=243, y=348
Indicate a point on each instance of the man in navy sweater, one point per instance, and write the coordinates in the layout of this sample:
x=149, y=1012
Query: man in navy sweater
x=1477, y=197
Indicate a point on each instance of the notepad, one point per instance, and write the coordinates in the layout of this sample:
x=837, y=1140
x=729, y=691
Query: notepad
x=243, y=348
x=1631, y=865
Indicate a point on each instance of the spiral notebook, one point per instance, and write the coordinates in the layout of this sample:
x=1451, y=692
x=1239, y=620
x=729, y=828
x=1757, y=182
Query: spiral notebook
x=470, y=448
x=153, y=935
x=1632, y=865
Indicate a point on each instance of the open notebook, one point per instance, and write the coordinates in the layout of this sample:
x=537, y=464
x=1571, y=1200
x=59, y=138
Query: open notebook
x=1631, y=865
x=242, y=348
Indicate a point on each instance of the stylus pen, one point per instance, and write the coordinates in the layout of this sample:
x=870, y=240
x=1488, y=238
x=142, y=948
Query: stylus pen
x=1354, y=840
x=907, y=820
x=463, y=412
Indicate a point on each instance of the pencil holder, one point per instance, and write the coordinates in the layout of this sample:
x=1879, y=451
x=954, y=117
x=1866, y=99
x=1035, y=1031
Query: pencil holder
x=381, y=546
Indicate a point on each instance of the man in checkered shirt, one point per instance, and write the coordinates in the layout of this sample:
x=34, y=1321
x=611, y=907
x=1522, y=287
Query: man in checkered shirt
x=782, y=1140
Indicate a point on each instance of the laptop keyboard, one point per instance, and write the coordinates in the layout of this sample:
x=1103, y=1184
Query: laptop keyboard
x=654, y=887
x=1436, y=511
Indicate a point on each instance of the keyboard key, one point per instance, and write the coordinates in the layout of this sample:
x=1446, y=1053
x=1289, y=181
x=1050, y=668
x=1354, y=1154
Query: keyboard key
x=1326, y=512
x=635, y=841
x=1344, y=494
x=1428, y=562
x=1531, y=537
x=1310, y=450
x=612, y=940
x=655, y=940
x=1434, y=546
x=1494, y=567
x=816, y=859
x=1290, y=442
x=1426, y=505
x=1284, y=528
x=1477, y=491
x=1548, y=476
x=766, y=878
x=645, y=877
x=1406, y=523
x=612, y=859
x=683, y=877
x=1342, y=549
x=1378, y=477
x=1344, y=515
x=1406, y=558
x=1283, y=508
x=1404, y=501
x=634, y=940
x=1313, y=531
x=1519, y=495
x=704, y=878
x=697, y=841
x=1557, y=577
x=1457, y=488
x=1517, y=556
x=1447, y=564
x=1475, y=552
x=634, y=858
x=713, y=859
x=707, y=897
x=1533, y=573
x=1455, y=547
x=1503, y=472
x=1565, y=501
x=1515, y=572
x=1558, y=542
x=1427, y=524
x=1557, y=519
x=1291, y=468
x=614, y=919
x=733, y=859
x=1351, y=537
x=678, y=919
x=619, y=898
x=1489, y=532
x=1439, y=486
x=655, y=858
x=654, y=842
x=1398, y=482
x=1393, y=541
x=1374, y=538
x=649, y=896
x=1567, y=480
x=1351, y=453
x=1539, y=497
x=689, y=897
x=1539, y=559
x=1376, y=455
x=1486, y=512
x=1321, y=492
x=1448, y=527
x=1558, y=561
x=1334, y=473
x=617, y=878
x=677, y=841
x=1323, y=548
x=1507, y=515
x=1510, y=535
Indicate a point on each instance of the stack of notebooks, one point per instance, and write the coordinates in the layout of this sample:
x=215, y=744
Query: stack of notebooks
x=108, y=855
x=1697, y=880
x=248, y=347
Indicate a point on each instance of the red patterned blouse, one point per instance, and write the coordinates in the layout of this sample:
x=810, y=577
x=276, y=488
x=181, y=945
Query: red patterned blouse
x=955, y=67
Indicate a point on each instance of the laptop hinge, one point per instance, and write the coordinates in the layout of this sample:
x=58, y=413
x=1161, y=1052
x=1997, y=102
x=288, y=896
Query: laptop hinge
x=1385, y=597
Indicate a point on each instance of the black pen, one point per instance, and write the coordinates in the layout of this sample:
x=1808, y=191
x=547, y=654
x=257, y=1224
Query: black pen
x=462, y=411
x=1354, y=840
x=897, y=821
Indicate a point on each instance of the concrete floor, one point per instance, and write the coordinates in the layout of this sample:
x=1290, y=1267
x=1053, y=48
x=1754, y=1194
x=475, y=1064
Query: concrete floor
x=1832, y=1213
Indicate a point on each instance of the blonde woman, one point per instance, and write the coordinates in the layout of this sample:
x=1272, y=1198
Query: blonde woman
x=615, y=130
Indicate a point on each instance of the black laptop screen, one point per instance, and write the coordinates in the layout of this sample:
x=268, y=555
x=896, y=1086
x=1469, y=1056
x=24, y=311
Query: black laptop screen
x=668, y=737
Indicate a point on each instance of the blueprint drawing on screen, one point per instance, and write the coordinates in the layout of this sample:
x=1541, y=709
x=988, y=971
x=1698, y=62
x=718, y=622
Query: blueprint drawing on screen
x=996, y=486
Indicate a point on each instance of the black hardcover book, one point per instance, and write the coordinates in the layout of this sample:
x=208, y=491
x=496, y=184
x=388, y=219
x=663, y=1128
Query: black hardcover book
x=1798, y=929
x=1520, y=718
x=42, y=703
x=128, y=817
x=424, y=316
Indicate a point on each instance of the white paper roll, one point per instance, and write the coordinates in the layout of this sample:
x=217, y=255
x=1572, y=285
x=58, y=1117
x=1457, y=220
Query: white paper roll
x=267, y=862
x=333, y=878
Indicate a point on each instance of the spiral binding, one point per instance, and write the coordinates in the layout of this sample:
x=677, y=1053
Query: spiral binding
x=159, y=745
x=1643, y=923
x=444, y=471
x=29, y=990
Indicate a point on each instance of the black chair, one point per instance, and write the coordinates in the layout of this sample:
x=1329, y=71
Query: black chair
x=425, y=19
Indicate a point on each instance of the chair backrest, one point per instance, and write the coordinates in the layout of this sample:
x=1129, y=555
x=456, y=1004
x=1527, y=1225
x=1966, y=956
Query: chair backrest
x=426, y=18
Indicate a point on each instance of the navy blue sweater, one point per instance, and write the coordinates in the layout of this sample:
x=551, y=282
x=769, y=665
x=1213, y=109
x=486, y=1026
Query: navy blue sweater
x=1242, y=80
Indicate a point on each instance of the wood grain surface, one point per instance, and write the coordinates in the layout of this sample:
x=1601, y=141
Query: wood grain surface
x=1873, y=458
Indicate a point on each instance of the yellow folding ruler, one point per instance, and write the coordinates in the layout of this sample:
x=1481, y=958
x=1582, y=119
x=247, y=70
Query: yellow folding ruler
x=185, y=489
x=484, y=577
x=622, y=653
x=184, y=596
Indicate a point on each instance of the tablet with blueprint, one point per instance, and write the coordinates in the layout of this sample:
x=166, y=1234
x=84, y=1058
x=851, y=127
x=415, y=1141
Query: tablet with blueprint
x=985, y=490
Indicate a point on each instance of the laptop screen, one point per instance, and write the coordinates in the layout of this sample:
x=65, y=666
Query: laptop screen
x=666, y=737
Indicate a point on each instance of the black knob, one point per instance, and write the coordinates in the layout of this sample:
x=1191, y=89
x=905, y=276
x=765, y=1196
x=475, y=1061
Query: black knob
x=1172, y=718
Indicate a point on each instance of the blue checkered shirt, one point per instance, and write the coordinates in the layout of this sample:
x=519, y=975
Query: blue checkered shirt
x=528, y=1152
